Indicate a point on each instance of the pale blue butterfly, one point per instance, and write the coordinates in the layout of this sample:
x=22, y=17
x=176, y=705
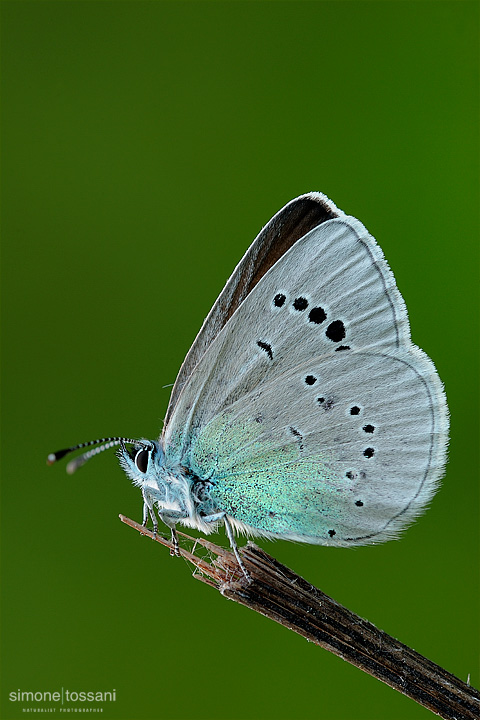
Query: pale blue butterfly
x=303, y=410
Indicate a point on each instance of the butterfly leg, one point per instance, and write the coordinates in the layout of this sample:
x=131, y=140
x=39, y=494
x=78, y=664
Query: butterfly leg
x=231, y=538
x=176, y=549
x=148, y=510
x=170, y=521
x=233, y=545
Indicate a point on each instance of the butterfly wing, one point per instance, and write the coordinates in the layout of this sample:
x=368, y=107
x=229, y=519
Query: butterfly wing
x=349, y=459
x=291, y=222
x=327, y=311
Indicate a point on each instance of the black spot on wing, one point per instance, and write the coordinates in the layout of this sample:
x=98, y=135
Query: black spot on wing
x=297, y=434
x=266, y=347
x=300, y=303
x=317, y=315
x=335, y=331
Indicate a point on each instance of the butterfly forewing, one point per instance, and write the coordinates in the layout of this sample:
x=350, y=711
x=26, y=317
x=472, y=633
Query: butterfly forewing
x=292, y=222
x=332, y=292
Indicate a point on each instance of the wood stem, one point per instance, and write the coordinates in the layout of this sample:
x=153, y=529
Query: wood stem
x=280, y=594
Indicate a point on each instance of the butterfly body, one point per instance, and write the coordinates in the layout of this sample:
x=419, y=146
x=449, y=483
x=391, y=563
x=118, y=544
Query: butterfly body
x=177, y=494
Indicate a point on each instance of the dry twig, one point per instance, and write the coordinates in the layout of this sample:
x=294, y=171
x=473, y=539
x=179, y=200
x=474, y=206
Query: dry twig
x=280, y=594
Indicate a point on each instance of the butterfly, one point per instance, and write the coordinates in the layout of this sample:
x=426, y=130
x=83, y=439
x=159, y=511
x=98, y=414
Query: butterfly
x=302, y=411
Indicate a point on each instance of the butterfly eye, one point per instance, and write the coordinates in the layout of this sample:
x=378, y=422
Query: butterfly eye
x=141, y=460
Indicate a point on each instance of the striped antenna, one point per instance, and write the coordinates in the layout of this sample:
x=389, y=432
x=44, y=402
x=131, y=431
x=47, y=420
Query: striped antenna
x=103, y=443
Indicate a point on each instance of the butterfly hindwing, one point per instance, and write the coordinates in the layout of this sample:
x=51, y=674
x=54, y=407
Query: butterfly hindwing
x=345, y=460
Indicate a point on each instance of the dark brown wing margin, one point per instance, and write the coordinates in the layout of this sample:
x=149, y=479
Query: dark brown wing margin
x=284, y=229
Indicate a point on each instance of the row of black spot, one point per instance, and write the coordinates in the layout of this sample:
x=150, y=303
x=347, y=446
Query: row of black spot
x=355, y=410
x=368, y=428
x=368, y=452
x=334, y=332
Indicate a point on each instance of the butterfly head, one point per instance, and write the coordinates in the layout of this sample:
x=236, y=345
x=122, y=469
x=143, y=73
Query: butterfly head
x=141, y=460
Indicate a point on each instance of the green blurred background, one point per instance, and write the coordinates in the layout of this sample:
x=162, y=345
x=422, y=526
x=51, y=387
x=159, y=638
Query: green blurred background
x=144, y=146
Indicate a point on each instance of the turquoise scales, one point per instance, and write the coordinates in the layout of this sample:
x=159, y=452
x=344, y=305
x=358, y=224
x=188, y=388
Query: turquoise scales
x=302, y=410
